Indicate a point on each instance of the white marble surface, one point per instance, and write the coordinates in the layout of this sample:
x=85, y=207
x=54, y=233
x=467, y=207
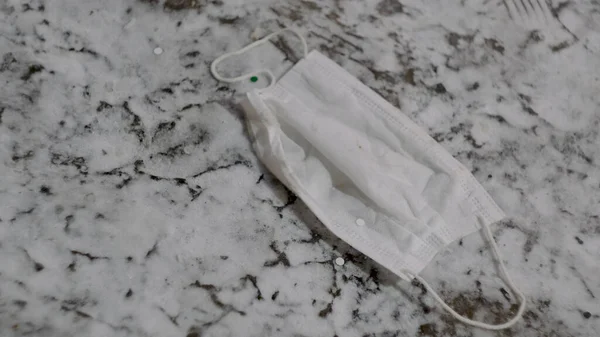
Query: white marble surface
x=131, y=203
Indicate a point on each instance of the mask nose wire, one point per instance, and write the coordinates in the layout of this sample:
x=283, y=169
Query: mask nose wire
x=505, y=277
x=215, y=63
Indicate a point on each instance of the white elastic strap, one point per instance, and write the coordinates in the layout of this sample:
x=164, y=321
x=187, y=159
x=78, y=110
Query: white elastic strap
x=213, y=66
x=504, y=275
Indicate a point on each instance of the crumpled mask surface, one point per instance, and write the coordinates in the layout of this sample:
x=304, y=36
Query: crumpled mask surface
x=370, y=174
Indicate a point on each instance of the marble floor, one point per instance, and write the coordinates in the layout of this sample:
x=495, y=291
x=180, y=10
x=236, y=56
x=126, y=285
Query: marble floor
x=132, y=204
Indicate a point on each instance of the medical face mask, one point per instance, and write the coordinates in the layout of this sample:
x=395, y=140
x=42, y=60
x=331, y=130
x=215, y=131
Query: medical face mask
x=369, y=173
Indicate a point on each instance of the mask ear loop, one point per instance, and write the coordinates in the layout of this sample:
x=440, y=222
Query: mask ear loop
x=505, y=277
x=213, y=65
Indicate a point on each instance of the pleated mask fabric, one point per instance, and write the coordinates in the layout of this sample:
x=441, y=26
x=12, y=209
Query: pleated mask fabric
x=369, y=173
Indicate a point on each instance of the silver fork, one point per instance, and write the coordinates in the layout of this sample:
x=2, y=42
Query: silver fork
x=531, y=14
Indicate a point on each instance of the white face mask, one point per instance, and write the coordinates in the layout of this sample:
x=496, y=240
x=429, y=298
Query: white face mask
x=369, y=173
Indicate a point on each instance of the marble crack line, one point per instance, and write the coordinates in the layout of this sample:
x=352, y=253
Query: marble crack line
x=531, y=237
x=213, y=168
x=89, y=256
x=252, y=279
x=152, y=251
x=198, y=331
x=207, y=102
x=173, y=319
x=84, y=315
x=335, y=291
x=194, y=191
x=36, y=265
x=94, y=54
x=226, y=308
x=281, y=257
x=582, y=279
x=22, y=213
x=213, y=292
x=291, y=199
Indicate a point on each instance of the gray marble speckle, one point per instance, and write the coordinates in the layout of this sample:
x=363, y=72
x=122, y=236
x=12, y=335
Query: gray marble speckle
x=131, y=203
